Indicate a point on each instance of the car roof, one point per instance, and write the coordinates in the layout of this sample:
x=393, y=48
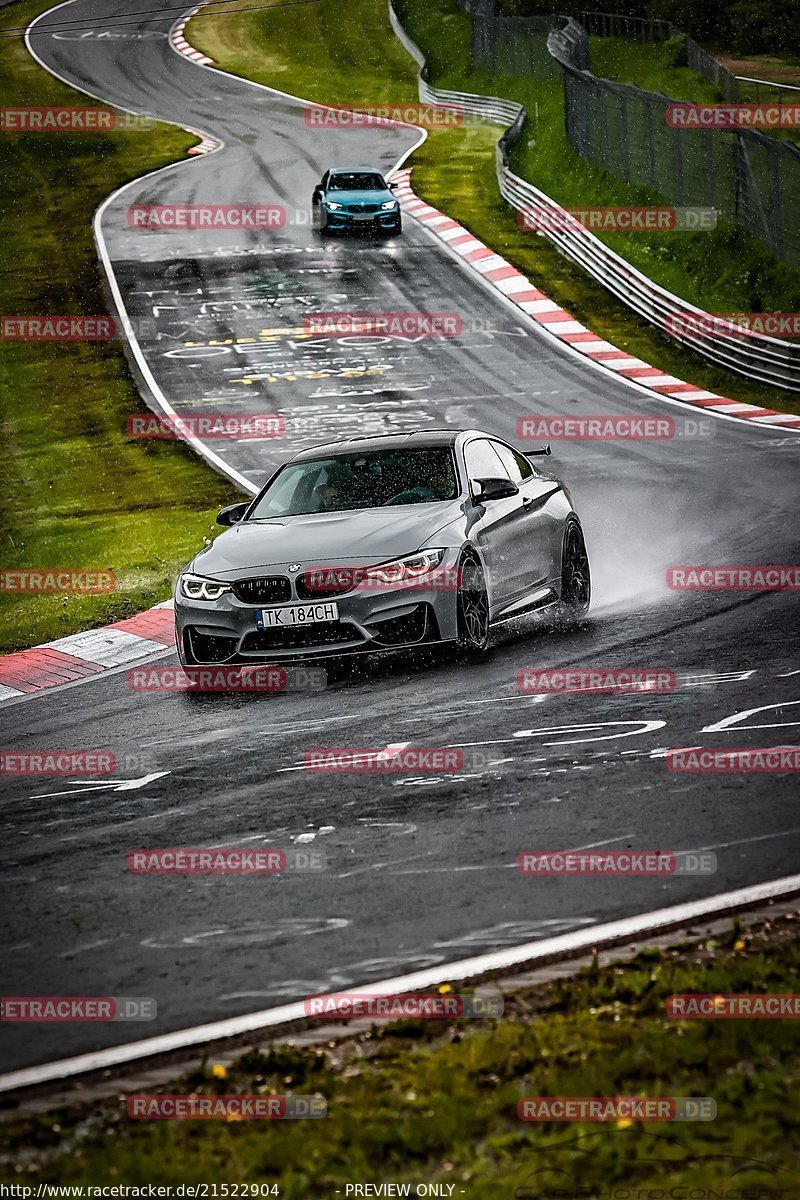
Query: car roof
x=349, y=170
x=423, y=438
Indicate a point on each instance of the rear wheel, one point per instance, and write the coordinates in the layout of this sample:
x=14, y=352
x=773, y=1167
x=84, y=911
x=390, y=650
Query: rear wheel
x=576, y=581
x=473, y=608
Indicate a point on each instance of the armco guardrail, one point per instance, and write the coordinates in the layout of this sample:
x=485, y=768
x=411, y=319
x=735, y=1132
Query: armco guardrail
x=766, y=359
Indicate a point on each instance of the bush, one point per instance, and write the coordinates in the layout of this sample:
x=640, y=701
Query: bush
x=677, y=50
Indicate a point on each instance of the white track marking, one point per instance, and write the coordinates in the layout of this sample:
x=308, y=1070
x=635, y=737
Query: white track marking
x=548, y=949
x=126, y=785
x=730, y=722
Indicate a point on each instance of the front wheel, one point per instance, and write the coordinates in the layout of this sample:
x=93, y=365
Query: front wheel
x=473, y=608
x=576, y=580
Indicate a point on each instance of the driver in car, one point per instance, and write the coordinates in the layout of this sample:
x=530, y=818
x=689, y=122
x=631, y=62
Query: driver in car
x=438, y=470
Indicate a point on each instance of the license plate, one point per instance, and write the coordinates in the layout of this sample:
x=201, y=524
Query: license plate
x=297, y=614
x=364, y=216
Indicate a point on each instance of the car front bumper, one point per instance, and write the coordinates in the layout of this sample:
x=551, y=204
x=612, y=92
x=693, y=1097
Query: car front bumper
x=343, y=220
x=371, y=618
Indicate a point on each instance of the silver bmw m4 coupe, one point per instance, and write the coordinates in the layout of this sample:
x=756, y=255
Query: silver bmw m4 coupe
x=383, y=542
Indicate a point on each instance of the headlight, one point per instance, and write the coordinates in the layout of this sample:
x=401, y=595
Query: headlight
x=389, y=205
x=406, y=569
x=332, y=204
x=195, y=587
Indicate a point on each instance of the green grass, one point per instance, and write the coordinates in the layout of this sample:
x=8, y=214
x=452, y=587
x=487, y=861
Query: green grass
x=76, y=492
x=351, y=57
x=648, y=65
x=436, y=1101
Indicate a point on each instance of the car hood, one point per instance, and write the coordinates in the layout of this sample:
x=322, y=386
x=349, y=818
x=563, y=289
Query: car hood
x=373, y=534
x=370, y=196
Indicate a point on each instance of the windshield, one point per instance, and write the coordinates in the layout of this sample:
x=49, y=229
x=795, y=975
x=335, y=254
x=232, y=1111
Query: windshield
x=344, y=482
x=356, y=181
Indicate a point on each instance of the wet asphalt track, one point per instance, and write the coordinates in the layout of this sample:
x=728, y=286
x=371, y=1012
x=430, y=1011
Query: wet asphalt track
x=421, y=870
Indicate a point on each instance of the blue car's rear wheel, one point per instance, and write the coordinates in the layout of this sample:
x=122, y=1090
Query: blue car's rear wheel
x=473, y=607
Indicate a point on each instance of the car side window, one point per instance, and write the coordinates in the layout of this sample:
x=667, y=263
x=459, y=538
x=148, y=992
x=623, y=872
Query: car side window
x=482, y=461
x=516, y=465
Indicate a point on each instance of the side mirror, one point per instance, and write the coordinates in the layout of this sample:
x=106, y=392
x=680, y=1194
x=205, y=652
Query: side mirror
x=541, y=450
x=496, y=489
x=233, y=513
x=392, y=186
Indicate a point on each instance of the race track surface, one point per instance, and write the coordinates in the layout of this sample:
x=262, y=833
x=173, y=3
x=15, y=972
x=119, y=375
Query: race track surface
x=421, y=870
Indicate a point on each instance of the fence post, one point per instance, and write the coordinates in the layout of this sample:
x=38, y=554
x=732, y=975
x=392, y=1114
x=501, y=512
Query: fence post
x=651, y=148
x=776, y=205
x=677, y=149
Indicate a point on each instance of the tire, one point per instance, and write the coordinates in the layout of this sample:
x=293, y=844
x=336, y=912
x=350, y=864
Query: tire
x=576, y=579
x=472, y=603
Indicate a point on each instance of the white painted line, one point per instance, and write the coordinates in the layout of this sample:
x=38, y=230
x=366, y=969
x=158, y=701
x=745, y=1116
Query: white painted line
x=448, y=234
x=778, y=418
x=699, y=394
x=735, y=406
x=597, y=347
x=469, y=246
x=107, y=647
x=539, y=306
x=491, y=263
x=624, y=364
x=561, y=327
x=564, y=945
x=662, y=380
x=511, y=284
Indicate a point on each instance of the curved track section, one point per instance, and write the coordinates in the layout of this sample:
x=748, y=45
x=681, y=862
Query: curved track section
x=421, y=870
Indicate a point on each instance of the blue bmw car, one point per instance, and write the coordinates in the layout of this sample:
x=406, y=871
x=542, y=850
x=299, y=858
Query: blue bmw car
x=355, y=199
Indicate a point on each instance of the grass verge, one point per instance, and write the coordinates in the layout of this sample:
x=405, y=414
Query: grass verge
x=320, y=53
x=436, y=1101
x=77, y=494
